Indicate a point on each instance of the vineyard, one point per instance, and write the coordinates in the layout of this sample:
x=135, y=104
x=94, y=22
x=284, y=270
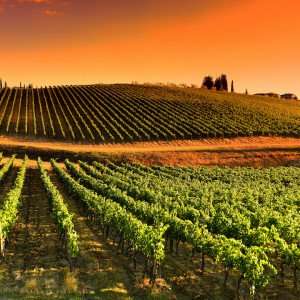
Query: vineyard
x=114, y=230
x=125, y=113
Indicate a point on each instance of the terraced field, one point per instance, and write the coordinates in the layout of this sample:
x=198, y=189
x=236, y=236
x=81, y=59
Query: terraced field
x=126, y=113
x=112, y=230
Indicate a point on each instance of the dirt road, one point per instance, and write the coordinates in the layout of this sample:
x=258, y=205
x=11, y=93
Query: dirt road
x=244, y=151
x=243, y=143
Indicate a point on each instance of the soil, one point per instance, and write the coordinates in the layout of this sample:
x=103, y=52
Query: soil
x=242, y=143
x=244, y=151
x=36, y=265
x=257, y=159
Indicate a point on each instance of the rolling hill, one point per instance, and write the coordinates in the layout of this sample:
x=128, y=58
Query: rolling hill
x=126, y=113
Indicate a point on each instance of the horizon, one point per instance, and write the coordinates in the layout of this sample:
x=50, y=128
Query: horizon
x=160, y=84
x=50, y=42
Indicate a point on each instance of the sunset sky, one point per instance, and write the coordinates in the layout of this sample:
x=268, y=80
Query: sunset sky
x=255, y=42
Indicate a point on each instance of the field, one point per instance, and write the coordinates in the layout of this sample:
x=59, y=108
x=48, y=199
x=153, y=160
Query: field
x=114, y=201
x=113, y=230
x=119, y=113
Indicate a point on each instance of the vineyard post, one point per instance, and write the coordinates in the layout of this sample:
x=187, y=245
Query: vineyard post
x=177, y=246
x=202, y=262
x=2, y=243
x=154, y=269
x=295, y=277
x=282, y=270
x=70, y=260
x=239, y=283
x=226, y=275
x=145, y=266
x=134, y=259
x=171, y=244
x=107, y=232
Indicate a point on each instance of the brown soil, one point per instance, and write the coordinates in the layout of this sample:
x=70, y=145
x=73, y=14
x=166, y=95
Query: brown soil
x=96, y=270
x=35, y=265
x=232, y=158
x=243, y=143
x=245, y=151
x=34, y=261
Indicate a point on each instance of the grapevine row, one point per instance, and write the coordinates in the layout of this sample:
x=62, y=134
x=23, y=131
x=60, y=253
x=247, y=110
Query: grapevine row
x=61, y=214
x=10, y=207
x=145, y=239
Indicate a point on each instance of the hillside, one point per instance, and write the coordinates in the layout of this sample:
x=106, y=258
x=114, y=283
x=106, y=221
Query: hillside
x=123, y=231
x=126, y=113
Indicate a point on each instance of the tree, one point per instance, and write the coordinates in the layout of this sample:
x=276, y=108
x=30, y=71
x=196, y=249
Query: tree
x=232, y=86
x=246, y=92
x=224, y=83
x=218, y=84
x=208, y=82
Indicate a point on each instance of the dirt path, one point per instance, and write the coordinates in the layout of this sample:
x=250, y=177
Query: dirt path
x=34, y=262
x=231, y=158
x=243, y=143
x=255, y=151
x=97, y=269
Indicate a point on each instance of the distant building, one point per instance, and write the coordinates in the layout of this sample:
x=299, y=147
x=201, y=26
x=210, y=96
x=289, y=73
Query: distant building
x=289, y=96
x=274, y=95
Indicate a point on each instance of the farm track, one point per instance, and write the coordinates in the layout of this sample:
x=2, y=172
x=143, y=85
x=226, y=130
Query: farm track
x=255, y=151
x=259, y=143
x=96, y=267
x=34, y=260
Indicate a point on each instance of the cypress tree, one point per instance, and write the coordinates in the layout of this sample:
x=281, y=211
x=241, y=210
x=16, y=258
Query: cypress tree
x=224, y=83
x=232, y=86
x=218, y=84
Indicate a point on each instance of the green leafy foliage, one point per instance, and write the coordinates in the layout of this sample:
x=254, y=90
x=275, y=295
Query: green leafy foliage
x=11, y=203
x=60, y=213
x=125, y=113
x=144, y=238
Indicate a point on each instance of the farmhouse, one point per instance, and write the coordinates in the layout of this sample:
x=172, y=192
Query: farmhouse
x=289, y=96
x=274, y=95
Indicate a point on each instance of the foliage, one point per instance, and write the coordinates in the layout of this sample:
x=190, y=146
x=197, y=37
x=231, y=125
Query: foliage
x=125, y=113
x=145, y=239
x=11, y=203
x=61, y=213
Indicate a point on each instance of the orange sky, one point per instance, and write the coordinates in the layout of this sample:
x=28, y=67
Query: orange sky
x=256, y=42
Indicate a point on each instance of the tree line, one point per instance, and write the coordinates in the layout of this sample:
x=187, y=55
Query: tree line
x=219, y=84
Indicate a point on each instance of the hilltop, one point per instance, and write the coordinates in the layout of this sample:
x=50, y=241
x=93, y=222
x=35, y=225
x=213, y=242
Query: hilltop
x=120, y=113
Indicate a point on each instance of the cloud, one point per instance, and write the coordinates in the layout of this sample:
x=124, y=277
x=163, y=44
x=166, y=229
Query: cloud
x=46, y=7
x=34, y=1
